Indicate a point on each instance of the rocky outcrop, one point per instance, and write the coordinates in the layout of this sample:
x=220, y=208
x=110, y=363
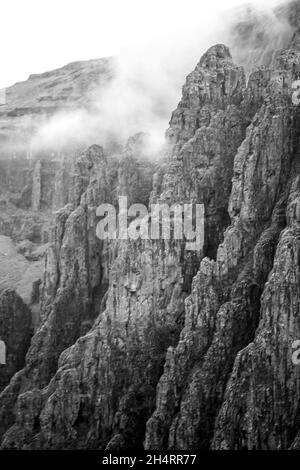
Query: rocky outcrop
x=77, y=264
x=224, y=309
x=261, y=403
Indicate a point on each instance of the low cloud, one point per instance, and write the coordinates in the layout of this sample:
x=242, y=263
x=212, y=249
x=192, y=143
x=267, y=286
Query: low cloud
x=149, y=76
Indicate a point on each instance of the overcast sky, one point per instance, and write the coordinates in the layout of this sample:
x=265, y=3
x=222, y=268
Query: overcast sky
x=40, y=35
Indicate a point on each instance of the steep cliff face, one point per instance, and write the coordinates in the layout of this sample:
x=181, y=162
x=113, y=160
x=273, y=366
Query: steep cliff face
x=260, y=406
x=143, y=307
x=261, y=403
x=142, y=343
x=30, y=191
x=15, y=331
x=77, y=263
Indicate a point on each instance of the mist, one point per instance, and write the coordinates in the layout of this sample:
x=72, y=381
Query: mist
x=150, y=72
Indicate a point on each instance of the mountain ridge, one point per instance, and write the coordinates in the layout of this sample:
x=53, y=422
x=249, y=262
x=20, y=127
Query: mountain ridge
x=142, y=344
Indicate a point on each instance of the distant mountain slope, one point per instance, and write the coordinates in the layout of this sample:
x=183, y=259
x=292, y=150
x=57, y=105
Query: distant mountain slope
x=28, y=103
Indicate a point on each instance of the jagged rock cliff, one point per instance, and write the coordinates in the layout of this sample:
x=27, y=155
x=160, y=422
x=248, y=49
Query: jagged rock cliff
x=224, y=310
x=144, y=344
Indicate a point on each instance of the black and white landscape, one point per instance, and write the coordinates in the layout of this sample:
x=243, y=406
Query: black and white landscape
x=119, y=344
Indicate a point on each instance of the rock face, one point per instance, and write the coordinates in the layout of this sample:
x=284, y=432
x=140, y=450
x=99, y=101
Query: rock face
x=30, y=192
x=142, y=343
x=15, y=331
x=248, y=298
